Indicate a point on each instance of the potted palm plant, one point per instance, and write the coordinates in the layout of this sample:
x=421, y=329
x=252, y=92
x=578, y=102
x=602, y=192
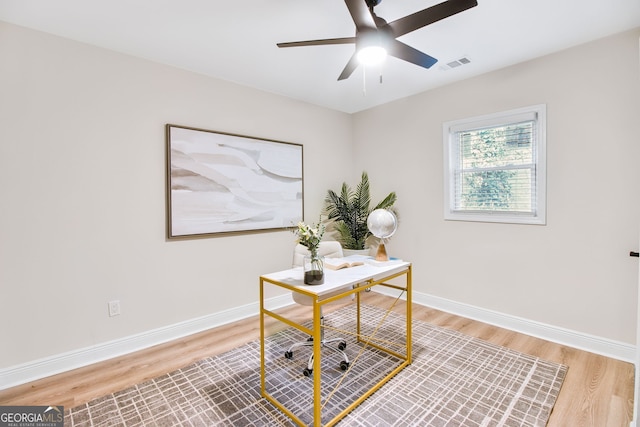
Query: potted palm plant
x=347, y=213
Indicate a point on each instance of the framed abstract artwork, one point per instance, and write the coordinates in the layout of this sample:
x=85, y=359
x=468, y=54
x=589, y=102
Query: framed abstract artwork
x=224, y=183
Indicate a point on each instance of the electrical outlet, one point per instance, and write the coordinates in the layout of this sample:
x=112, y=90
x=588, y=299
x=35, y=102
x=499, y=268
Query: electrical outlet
x=114, y=308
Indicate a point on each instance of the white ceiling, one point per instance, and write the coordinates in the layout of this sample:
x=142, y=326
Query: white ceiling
x=236, y=40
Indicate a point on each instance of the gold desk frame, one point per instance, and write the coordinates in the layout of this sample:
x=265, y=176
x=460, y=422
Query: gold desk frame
x=315, y=333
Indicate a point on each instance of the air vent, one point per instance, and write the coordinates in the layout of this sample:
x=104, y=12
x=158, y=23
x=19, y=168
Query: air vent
x=456, y=63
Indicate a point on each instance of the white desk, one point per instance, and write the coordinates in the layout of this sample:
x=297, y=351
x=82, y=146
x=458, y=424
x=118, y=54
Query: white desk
x=337, y=284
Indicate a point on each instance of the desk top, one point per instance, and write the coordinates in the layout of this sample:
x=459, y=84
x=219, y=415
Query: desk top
x=346, y=277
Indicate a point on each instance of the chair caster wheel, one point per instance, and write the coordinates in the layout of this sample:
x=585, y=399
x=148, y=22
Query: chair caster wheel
x=344, y=365
x=342, y=345
x=310, y=339
x=288, y=354
x=307, y=372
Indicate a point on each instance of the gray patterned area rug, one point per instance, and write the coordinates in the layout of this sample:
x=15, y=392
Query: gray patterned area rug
x=454, y=380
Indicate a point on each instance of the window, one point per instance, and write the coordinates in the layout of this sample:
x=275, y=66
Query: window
x=495, y=167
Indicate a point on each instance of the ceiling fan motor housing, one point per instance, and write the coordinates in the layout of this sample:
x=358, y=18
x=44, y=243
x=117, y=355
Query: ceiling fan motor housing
x=368, y=37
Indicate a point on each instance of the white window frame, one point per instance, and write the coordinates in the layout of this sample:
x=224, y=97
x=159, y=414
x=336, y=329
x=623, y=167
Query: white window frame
x=451, y=160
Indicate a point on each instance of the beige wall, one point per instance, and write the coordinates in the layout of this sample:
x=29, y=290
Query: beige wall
x=574, y=272
x=82, y=190
x=83, y=200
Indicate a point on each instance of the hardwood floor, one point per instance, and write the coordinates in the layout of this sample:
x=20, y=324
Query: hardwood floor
x=598, y=391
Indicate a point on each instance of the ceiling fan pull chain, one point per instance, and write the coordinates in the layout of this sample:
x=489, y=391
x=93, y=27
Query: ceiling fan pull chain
x=364, y=81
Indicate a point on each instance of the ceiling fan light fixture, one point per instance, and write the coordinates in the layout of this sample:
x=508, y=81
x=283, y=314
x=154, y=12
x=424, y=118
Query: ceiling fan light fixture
x=370, y=47
x=372, y=55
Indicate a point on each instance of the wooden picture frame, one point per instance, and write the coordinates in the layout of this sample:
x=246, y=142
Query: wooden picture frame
x=219, y=183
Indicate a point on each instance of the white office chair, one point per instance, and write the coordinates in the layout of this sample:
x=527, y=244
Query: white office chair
x=329, y=249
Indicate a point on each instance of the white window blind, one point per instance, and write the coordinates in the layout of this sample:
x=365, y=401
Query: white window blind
x=495, y=167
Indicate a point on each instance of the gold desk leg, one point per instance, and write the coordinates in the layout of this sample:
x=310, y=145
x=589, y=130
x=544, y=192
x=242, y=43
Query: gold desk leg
x=358, y=316
x=262, y=368
x=409, y=316
x=317, y=349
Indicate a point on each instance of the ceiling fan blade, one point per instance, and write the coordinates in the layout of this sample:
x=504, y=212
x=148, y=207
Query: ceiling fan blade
x=342, y=40
x=429, y=16
x=360, y=14
x=349, y=68
x=409, y=54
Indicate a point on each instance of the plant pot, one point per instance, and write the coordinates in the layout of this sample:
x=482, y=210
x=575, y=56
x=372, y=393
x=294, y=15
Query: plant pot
x=363, y=252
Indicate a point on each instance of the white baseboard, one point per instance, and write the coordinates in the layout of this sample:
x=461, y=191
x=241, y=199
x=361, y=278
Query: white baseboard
x=31, y=371
x=594, y=344
x=34, y=370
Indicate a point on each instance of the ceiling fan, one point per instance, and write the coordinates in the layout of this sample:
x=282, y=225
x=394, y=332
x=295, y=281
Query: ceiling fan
x=373, y=31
